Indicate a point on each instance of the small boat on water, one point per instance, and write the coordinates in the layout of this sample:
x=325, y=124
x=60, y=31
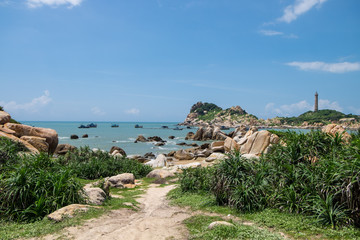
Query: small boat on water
x=165, y=127
x=114, y=125
x=177, y=128
x=91, y=125
x=138, y=126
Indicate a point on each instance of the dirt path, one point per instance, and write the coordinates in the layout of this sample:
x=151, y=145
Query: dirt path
x=155, y=220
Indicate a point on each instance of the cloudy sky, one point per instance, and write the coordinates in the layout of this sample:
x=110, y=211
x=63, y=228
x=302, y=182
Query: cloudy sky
x=150, y=60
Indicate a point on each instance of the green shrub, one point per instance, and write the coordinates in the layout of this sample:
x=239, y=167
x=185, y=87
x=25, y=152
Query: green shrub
x=9, y=153
x=196, y=179
x=313, y=174
x=88, y=164
x=35, y=187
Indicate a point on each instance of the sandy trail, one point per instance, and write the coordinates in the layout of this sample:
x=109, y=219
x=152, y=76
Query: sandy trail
x=156, y=219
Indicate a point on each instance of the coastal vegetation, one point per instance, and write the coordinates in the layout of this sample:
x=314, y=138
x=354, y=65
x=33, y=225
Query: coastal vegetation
x=33, y=186
x=321, y=116
x=314, y=176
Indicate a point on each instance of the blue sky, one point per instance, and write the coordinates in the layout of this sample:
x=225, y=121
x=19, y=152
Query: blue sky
x=150, y=60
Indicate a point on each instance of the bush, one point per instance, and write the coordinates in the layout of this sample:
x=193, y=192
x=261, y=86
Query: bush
x=9, y=152
x=36, y=187
x=88, y=164
x=314, y=174
x=196, y=179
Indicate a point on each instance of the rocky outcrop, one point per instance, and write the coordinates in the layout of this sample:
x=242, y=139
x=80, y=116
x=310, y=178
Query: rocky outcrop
x=4, y=117
x=38, y=142
x=50, y=135
x=208, y=133
x=85, y=136
x=30, y=147
x=140, y=138
x=62, y=149
x=333, y=129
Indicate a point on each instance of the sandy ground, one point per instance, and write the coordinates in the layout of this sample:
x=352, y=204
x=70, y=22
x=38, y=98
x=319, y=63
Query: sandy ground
x=155, y=220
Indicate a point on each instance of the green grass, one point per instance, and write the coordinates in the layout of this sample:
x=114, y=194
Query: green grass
x=294, y=225
x=198, y=229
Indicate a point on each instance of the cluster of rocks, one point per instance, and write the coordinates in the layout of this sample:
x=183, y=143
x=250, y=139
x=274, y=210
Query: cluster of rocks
x=159, y=141
x=74, y=136
x=206, y=133
x=35, y=139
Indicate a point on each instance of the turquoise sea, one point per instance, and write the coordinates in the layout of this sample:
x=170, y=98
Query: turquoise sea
x=104, y=136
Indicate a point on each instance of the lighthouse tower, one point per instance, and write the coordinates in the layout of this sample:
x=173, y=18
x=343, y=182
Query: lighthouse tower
x=316, y=108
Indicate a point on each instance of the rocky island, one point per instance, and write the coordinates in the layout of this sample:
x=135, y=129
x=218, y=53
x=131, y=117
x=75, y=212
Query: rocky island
x=209, y=114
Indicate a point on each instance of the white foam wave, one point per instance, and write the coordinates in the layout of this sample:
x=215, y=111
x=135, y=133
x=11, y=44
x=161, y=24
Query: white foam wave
x=64, y=137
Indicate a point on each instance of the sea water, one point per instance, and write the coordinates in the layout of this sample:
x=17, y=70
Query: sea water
x=104, y=136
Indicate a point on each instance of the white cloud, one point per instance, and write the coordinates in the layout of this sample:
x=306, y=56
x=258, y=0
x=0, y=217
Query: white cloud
x=32, y=106
x=326, y=67
x=133, y=111
x=326, y=104
x=292, y=12
x=270, y=33
x=53, y=3
x=298, y=108
x=97, y=111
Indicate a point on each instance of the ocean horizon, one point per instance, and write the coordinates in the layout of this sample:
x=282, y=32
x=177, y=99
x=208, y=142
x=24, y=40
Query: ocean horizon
x=104, y=136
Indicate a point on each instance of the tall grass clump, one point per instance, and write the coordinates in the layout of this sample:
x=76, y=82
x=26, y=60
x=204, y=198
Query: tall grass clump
x=35, y=187
x=313, y=174
x=9, y=153
x=88, y=164
x=196, y=179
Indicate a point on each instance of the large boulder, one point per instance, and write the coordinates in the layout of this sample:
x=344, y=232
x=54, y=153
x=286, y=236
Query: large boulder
x=67, y=212
x=183, y=155
x=257, y=142
x=160, y=174
x=239, y=131
x=4, y=117
x=334, y=129
x=94, y=195
x=30, y=147
x=6, y=130
x=231, y=145
x=120, y=150
x=38, y=142
x=140, y=138
x=217, y=146
x=218, y=134
x=190, y=136
x=160, y=161
x=199, y=134
x=50, y=135
x=74, y=136
x=215, y=156
x=62, y=149
x=155, y=139
x=120, y=180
